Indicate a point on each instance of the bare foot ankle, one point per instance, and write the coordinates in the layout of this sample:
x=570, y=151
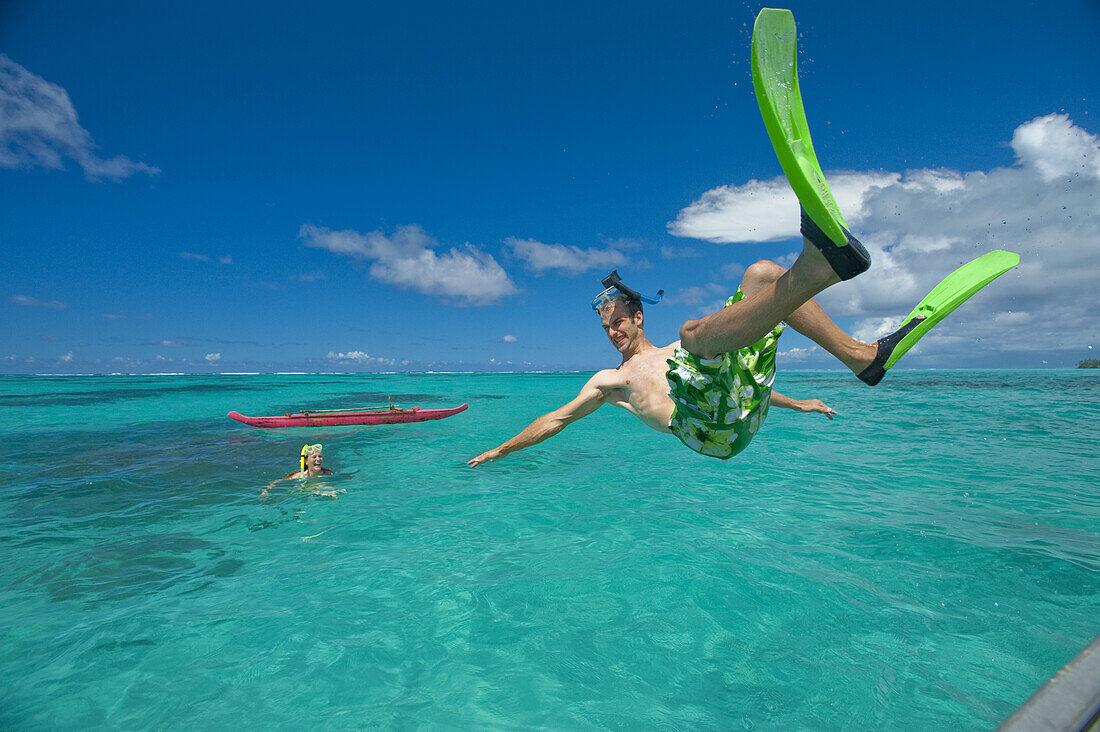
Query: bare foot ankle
x=861, y=357
x=813, y=266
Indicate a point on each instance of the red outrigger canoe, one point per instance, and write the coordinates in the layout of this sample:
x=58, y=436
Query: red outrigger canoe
x=335, y=417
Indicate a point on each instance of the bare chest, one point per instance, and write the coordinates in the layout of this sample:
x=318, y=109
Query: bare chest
x=640, y=387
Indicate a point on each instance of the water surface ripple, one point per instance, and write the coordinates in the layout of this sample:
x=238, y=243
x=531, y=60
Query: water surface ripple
x=923, y=562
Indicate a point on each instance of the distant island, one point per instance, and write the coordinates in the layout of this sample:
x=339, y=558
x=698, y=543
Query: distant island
x=1089, y=363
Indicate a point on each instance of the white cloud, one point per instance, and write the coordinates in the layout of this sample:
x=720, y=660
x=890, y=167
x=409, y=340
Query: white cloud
x=798, y=354
x=66, y=358
x=680, y=252
x=195, y=257
x=1055, y=148
x=357, y=357
x=27, y=301
x=506, y=339
x=166, y=343
x=539, y=257
x=39, y=128
x=762, y=210
x=408, y=259
x=921, y=225
x=213, y=357
x=697, y=295
x=733, y=271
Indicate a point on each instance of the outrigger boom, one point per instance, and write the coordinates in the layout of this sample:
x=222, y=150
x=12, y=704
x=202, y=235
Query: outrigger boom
x=338, y=417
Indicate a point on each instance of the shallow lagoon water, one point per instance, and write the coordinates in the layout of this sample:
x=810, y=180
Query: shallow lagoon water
x=925, y=561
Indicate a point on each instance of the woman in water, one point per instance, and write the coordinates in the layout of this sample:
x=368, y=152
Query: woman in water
x=310, y=464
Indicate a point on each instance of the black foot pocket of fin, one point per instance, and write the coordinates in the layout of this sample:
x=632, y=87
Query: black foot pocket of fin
x=874, y=373
x=846, y=261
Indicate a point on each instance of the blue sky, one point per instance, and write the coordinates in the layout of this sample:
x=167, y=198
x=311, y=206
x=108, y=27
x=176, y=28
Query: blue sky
x=365, y=187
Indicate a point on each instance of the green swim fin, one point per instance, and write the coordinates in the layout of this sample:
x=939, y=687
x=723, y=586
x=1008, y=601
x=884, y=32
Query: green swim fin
x=775, y=79
x=955, y=289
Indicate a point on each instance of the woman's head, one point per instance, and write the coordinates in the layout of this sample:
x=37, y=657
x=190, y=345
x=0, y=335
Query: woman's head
x=311, y=457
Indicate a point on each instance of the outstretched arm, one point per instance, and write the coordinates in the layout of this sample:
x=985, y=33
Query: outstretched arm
x=802, y=405
x=587, y=401
x=275, y=482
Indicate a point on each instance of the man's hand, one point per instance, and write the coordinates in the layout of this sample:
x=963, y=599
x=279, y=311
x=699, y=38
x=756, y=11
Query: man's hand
x=486, y=457
x=815, y=405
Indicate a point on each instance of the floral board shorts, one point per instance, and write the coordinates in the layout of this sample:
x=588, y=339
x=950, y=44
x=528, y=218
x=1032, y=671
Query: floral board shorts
x=721, y=402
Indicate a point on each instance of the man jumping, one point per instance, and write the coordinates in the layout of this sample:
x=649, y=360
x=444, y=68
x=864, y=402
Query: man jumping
x=713, y=387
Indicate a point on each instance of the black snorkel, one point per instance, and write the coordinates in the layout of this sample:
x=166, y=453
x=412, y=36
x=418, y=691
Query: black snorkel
x=613, y=282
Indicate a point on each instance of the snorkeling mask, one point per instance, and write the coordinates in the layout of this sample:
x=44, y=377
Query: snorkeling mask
x=612, y=283
x=307, y=449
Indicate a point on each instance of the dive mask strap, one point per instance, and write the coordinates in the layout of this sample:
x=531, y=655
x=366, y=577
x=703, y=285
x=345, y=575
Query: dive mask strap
x=614, y=282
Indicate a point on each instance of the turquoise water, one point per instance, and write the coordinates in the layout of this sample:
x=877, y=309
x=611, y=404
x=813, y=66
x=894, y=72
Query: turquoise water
x=925, y=561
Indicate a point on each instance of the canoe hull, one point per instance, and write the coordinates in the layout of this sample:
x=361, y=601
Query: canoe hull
x=376, y=417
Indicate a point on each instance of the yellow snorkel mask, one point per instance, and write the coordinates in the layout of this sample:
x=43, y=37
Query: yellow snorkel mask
x=306, y=450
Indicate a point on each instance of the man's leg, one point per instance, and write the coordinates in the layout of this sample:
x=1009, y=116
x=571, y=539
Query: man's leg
x=747, y=321
x=811, y=320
